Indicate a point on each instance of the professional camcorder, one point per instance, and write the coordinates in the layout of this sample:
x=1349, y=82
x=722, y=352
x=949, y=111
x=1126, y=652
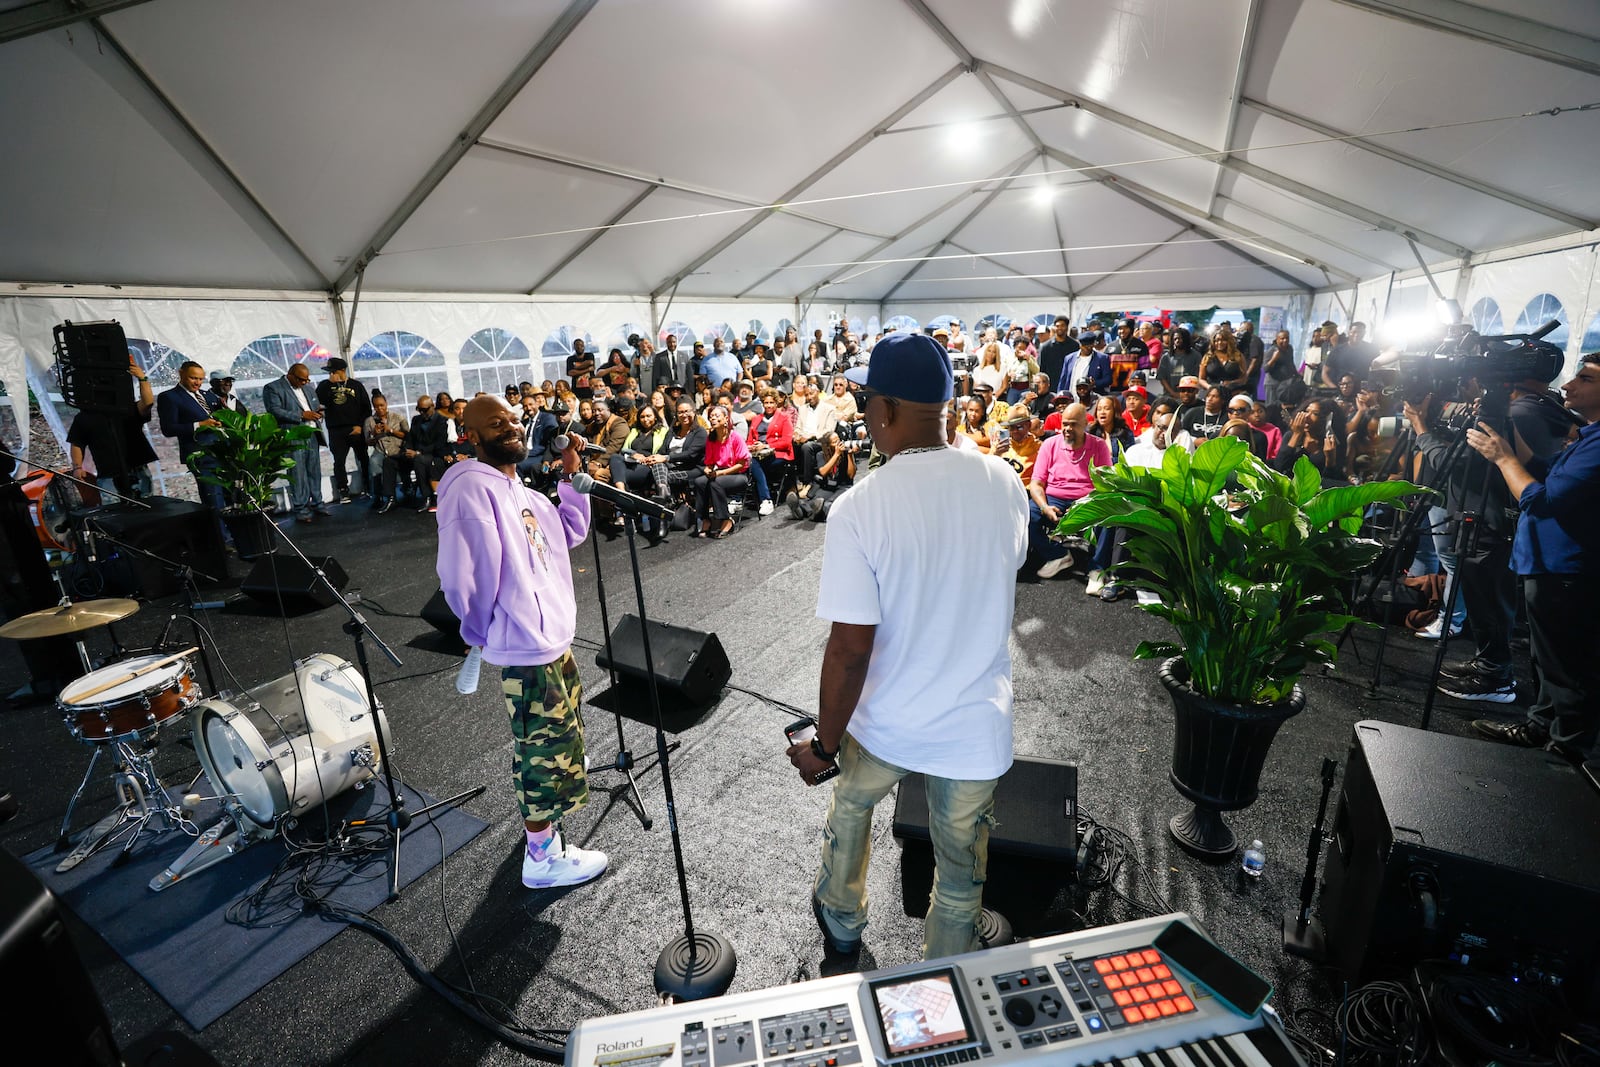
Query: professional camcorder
x=1445, y=365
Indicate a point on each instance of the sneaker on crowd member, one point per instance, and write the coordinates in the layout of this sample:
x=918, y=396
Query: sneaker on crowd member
x=1435, y=629
x=1096, y=582
x=1487, y=687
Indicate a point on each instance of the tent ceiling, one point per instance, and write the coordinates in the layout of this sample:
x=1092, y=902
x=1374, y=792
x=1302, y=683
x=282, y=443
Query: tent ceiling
x=557, y=147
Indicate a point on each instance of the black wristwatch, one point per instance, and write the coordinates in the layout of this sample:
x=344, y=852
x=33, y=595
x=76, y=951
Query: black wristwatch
x=821, y=753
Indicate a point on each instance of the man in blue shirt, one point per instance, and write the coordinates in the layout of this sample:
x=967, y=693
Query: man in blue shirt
x=721, y=366
x=1557, y=553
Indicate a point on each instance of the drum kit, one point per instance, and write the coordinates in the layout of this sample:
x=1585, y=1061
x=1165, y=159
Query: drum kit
x=271, y=753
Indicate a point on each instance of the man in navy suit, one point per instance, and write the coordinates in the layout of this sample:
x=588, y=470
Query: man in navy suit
x=1095, y=366
x=184, y=414
x=292, y=402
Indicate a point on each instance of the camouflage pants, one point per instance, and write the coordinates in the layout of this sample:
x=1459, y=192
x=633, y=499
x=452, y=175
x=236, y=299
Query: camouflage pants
x=547, y=738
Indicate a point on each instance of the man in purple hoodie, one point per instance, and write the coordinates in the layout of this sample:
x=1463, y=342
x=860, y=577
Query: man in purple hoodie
x=505, y=572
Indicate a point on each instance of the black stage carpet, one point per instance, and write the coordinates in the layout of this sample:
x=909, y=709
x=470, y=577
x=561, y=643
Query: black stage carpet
x=750, y=829
x=206, y=942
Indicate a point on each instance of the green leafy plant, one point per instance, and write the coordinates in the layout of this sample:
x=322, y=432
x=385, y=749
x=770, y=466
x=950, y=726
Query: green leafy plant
x=1251, y=565
x=245, y=454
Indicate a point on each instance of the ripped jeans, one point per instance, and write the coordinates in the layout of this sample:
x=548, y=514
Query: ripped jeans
x=959, y=816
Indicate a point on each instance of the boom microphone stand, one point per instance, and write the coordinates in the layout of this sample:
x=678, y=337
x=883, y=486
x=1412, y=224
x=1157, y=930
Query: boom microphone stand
x=398, y=818
x=696, y=965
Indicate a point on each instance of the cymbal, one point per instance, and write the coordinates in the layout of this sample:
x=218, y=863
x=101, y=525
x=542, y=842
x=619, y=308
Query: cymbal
x=70, y=619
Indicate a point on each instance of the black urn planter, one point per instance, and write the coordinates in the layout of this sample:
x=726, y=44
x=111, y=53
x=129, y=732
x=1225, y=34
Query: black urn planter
x=251, y=532
x=1218, y=749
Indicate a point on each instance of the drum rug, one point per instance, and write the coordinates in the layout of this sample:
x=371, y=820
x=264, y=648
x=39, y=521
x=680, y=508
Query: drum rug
x=210, y=940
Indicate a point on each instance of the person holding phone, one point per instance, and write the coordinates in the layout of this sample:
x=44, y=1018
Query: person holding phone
x=897, y=694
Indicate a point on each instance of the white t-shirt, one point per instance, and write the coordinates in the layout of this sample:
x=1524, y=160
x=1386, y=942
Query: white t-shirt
x=938, y=581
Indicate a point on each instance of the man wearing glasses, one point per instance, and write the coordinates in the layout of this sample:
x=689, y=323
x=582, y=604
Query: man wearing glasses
x=903, y=690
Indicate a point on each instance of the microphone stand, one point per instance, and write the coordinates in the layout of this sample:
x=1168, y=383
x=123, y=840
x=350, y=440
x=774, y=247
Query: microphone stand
x=696, y=965
x=186, y=574
x=397, y=818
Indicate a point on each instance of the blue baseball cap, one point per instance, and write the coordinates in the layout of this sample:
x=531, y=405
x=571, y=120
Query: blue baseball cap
x=908, y=366
x=1088, y=337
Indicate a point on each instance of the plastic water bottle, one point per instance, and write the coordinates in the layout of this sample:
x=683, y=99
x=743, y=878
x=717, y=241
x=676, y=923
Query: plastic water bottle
x=1254, y=861
x=467, y=680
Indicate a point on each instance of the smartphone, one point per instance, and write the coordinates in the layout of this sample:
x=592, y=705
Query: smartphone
x=801, y=733
x=1226, y=978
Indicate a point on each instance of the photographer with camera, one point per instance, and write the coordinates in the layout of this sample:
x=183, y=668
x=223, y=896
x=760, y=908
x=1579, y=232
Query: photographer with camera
x=1477, y=496
x=1556, y=551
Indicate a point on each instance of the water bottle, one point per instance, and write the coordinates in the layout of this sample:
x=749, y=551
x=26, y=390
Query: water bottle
x=1255, y=860
x=467, y=680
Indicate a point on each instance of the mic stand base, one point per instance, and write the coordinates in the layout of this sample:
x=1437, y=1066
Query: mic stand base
x=1305, y=939
x=695, y=973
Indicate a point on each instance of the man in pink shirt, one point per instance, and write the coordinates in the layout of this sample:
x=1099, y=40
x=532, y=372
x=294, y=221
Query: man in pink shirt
x=1060, y=479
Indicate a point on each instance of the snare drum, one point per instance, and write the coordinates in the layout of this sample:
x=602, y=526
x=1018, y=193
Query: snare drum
x=277, y=757
x=129, y=707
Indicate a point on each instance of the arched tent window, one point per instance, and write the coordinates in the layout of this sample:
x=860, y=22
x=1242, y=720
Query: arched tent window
x=1540, y=310
x=903, y=323
x=1591, y=336
x=1000, y=321
x=757, y=327
x=1045, y=321
x=873, y=326
x=558, y=346
x=1485, y=316
x=493, y=359
x=161, y=362
x=401, y=365
x=782, y=329
x=266, y=358
x=941, y=320
x=724, y=331
x=618, y=338
x=682, y=331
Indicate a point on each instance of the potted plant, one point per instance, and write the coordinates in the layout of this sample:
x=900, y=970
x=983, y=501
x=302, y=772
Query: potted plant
x=1251, y=567
x=244, y=454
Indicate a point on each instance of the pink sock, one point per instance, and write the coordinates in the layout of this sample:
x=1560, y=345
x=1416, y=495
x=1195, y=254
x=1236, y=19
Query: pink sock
x=539, y=841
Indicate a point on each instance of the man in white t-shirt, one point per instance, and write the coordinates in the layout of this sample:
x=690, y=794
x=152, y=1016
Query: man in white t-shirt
x=904, y=687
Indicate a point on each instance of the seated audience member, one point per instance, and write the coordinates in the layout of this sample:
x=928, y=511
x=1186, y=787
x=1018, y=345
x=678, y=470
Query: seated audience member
x=843, y=401
x=1239, y=411
x=771, y=444
x=539, y=429
x=1061, y=477
x=686, y=449
x=704, y=395
x=1109, y=427
x=1083, y=393
x=1038, y=396
x=1022, y=447
x=1136, y=403
x=1148, y=450
x=1366, y=451
x=974, y=423
x=835, y=473
x=458, y=448
x=1259, y=420
x=1205, y=421
x=952, y=427
x=745, y=402
x=424, y=449
x=1059, y=403
x=1349, y=395
x=386, y=434
x=1312, y=434
x=721, y=476
x=610, y=430
x=813, y=421
x=640, y=466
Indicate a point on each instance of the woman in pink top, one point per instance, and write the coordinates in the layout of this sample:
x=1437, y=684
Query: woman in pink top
x=727, y=459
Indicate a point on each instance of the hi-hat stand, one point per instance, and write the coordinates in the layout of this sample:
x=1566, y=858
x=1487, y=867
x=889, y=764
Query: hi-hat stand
x=697, y=964
x=397, y=819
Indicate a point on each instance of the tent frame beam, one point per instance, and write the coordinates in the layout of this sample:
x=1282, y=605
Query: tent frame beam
x=1252, y=21
x=45, y=15
x=1565, y=48
x=1249, y=170
x=1120, y=267
x=1577, y=222
x=811, y=179
x=589, y=239
x=514, y=83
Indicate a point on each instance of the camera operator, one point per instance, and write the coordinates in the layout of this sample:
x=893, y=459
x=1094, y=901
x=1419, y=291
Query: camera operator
x=1488, y=589
x=1557, y=554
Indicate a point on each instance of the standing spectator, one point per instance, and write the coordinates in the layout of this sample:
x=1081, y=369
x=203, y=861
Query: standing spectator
x=346, y=406
x=116, y=443
x=1178, y=362
x=287, y=400
x=221, y=394
x=1088, y=365
x=1127, y=354
x=1054, y=353
x=616, y=372
x=669, y=366
x=1280, y=368
x=580, y=370
x=1250, y=348
x=1224, y=363
x=1353, y=357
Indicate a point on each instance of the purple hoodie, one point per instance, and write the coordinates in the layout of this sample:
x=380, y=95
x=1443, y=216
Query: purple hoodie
x=503, y=563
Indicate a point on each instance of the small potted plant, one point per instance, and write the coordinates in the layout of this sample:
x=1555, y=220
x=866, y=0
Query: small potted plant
x=1251, y=567
x=245, y=454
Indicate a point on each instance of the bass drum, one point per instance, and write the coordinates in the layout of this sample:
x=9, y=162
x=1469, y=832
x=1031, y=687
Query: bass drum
x=279, y=758
x=51, y=502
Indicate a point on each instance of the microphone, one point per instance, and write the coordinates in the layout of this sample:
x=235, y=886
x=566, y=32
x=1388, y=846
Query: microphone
x=564, y=442
x=467, y=680
x=621, y=498
x=162, y=640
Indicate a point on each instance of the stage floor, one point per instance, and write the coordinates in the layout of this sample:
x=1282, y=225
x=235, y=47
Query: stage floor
x=750, y=829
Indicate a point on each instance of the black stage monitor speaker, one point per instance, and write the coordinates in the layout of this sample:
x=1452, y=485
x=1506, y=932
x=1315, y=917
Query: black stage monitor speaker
x=276, y=575
x=690, y=664
x=92, y=366
x=1451, y=848
x=180, y=531
x=1033, y=847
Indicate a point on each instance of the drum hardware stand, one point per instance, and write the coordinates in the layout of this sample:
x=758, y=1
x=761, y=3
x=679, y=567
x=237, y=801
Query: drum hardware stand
x=624, y=761
x=398, y=818
x=228, y=836
x=693, y=966
x=135, y=783
x=186, y=574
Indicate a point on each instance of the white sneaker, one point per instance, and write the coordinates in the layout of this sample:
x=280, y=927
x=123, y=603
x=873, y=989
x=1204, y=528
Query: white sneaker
x=1097, y=582
x=1056, y=566
x=765, y=508
x=1435, y=629
x=563, y=865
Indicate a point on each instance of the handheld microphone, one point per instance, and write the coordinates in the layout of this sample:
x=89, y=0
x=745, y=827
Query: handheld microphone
x=564, y=442
x=467, y=680
x=621, y=498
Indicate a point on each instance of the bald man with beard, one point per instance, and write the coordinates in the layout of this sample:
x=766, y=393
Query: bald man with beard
x=1060, y=479
x=504, y=567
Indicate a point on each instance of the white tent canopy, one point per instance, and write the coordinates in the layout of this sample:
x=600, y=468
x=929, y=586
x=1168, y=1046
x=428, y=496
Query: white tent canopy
x=874, y=157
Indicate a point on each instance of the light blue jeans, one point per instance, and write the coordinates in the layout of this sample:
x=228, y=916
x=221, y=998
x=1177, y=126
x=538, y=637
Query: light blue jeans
x=959, y=816
x=305, y=478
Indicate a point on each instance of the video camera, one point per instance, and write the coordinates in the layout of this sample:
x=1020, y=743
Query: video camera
x=1495, y=362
